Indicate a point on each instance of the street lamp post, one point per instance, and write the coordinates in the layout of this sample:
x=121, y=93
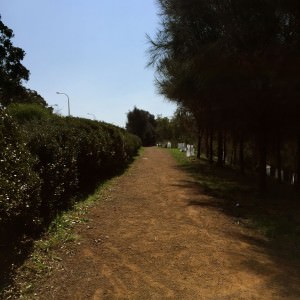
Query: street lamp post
x=59, y=93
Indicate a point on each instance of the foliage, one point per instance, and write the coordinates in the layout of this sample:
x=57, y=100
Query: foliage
x=13, y=73
x=53, y=144
x=184, y=125
x=47, y=160
x=20, y=185
x=180, y=128
x=73, y=154
x=164, y=130
x=25, y=112
x=142, y=124
x=24, y=95
x=235, y=66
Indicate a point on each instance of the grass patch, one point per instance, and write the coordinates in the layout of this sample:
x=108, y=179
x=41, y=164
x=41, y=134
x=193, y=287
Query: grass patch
x=276, y=215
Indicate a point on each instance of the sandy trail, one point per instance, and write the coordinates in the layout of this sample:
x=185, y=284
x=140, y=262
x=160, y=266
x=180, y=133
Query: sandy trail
x=149, y=240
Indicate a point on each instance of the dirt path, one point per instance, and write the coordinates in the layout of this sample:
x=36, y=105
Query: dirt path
x=148, y=242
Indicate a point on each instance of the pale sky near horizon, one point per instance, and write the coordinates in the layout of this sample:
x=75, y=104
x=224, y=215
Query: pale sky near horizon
x=93, y=50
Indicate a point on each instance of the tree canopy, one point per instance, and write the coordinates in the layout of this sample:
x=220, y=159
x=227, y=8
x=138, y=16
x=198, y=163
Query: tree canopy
x=142, y=124
x=235, y=65
x=13, y=73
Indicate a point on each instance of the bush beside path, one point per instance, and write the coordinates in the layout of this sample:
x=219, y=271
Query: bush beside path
x=158, y=236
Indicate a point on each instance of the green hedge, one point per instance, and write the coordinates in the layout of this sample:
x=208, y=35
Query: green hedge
x=26, y=112
x=19, y=184
x=47, y=161
x=53, y=144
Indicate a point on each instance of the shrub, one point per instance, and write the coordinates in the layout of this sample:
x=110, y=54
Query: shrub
x=53, y=143
x=73, y=155
x=25, y=112
x=132, y=144
x=62, y=156
x=19, y=184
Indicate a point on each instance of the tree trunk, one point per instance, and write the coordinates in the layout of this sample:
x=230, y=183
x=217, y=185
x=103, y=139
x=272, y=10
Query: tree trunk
x=207, y=143
x=272, y=171
x=220, y=149
x=241, y=154
x=262, y=174
x=278, y=158
x=298, y=161
x=224, y=149
x=233, y=152
x=199, y=144
x=211, y=147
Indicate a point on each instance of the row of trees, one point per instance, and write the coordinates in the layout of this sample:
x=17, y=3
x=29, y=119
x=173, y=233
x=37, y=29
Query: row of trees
x=234, y=64
x=159, y=130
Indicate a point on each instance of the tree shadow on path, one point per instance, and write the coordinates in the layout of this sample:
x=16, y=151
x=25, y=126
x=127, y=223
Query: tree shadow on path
x=275, y=221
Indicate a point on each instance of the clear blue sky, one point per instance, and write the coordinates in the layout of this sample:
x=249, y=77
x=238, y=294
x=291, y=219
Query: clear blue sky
x=93, y=50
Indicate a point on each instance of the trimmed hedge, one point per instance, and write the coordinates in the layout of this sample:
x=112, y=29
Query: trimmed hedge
x=74, y=154
x=19, y=184
x=26, y=112
x=52, y=161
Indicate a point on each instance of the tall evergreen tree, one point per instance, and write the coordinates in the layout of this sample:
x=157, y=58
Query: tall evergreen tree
x=235, y=65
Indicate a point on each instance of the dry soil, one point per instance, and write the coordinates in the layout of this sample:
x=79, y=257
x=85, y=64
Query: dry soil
x=157, y=237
